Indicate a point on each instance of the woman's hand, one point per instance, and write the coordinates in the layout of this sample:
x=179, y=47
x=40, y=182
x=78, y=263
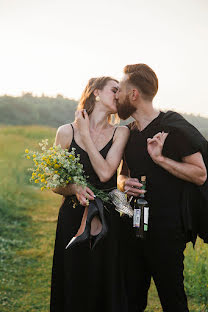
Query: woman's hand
x=83, y=194
x=82, y=122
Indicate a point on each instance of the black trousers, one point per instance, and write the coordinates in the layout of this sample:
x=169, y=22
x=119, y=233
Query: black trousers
x=160, y=257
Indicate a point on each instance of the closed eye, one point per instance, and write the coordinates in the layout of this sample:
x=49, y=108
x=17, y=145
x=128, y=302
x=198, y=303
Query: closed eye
x=114, y=90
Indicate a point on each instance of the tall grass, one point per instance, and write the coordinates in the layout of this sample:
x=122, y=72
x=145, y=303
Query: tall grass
x=27, y=231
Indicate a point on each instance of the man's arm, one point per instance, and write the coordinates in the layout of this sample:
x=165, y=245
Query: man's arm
x=191, y=169
x=127, y=184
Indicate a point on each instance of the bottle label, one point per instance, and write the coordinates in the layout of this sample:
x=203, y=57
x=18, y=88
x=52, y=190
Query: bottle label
x=146, y=218
x=136, y=218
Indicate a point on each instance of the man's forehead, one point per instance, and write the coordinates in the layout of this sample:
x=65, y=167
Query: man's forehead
x=123, y=80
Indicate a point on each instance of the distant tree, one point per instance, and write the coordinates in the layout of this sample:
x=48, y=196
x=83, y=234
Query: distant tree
x=55, y=111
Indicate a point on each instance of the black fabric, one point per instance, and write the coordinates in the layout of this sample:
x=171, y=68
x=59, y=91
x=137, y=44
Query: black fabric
x=84, y=279
x=170, y=224
x=161, y=258
x=164, y=191
x=187, y=203
x=88, y=168
x=195, y=198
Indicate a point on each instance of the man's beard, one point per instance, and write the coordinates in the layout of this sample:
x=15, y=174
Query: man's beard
x=125, y=109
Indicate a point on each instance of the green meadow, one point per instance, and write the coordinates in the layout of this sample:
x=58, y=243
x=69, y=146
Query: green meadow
x=27, y=231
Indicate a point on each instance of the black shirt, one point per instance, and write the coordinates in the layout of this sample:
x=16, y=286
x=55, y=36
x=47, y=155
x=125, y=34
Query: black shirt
x=164, y=190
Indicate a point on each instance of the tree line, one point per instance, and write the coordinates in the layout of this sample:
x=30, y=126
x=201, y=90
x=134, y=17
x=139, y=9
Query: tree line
x=55, y=111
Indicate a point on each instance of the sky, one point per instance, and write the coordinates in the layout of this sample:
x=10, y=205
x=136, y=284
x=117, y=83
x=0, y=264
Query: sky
x=56, y=46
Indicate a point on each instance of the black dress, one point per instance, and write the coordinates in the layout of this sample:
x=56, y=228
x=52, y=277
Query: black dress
x=83, y=279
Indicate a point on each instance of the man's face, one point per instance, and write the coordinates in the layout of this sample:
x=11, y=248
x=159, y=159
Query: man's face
x=124, y=106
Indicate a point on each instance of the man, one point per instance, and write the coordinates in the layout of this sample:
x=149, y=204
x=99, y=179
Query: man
x=171, y=161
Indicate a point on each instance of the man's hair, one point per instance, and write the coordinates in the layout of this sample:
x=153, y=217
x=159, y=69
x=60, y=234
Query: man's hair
x=144, y=78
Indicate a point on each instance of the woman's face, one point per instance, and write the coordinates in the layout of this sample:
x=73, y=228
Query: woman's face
x=108, y=96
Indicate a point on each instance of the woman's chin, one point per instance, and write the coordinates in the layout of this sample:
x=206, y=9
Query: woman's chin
x=114, y=110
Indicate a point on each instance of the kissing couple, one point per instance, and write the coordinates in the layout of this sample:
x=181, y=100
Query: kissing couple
x=105, y=267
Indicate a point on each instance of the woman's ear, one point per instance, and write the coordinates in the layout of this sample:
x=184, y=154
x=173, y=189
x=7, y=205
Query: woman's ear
x=96, y=92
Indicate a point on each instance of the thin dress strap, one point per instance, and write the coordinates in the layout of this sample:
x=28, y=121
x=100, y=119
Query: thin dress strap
x=72, y=130
x=114, y=133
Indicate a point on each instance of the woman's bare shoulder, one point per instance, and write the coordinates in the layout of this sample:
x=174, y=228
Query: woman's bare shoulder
x=122, y=130
x=64, y=135
x=65, y=129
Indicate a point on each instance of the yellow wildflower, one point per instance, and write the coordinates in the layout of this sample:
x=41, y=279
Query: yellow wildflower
x=28, y=157
x=34, y=155
x=36, y=181
x=26, y=151
x=42, y=180
x=42, y=188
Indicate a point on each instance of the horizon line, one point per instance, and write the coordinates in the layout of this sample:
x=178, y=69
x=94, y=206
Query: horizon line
x=77, y=100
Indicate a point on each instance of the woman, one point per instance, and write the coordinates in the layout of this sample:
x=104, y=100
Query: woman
x=85, y=279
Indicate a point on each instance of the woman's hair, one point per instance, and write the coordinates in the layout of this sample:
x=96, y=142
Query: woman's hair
x=88, y=98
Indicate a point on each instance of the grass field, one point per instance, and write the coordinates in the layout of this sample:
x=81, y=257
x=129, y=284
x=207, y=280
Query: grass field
x=27, y=231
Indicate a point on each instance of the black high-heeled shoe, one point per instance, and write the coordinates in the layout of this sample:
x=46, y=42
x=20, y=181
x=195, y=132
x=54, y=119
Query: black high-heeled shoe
x=104, y=230
x=92, y=212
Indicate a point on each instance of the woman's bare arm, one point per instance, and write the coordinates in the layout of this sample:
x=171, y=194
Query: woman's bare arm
x=64, y=138
x=104, y=167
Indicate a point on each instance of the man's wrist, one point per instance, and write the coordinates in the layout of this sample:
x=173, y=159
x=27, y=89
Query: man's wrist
x=159, y=160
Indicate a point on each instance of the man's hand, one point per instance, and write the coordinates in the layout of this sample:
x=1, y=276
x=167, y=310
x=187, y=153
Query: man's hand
x=132, y=187
x=155, y=146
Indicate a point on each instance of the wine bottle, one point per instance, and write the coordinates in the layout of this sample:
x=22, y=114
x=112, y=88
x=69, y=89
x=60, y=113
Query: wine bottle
x=141, y=213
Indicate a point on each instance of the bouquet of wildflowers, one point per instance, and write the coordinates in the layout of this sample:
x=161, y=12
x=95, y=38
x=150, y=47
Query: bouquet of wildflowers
x=55, y=167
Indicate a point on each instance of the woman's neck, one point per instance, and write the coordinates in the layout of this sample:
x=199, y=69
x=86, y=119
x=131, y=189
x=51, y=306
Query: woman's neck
x=98, y=119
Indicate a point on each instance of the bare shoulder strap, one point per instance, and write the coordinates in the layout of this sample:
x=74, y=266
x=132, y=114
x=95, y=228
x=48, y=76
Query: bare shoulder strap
x=72, y=130
x=114, y=132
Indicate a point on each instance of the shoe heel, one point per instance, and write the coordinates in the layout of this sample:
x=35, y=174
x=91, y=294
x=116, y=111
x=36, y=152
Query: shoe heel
x=92, y=212
x=104, y=230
